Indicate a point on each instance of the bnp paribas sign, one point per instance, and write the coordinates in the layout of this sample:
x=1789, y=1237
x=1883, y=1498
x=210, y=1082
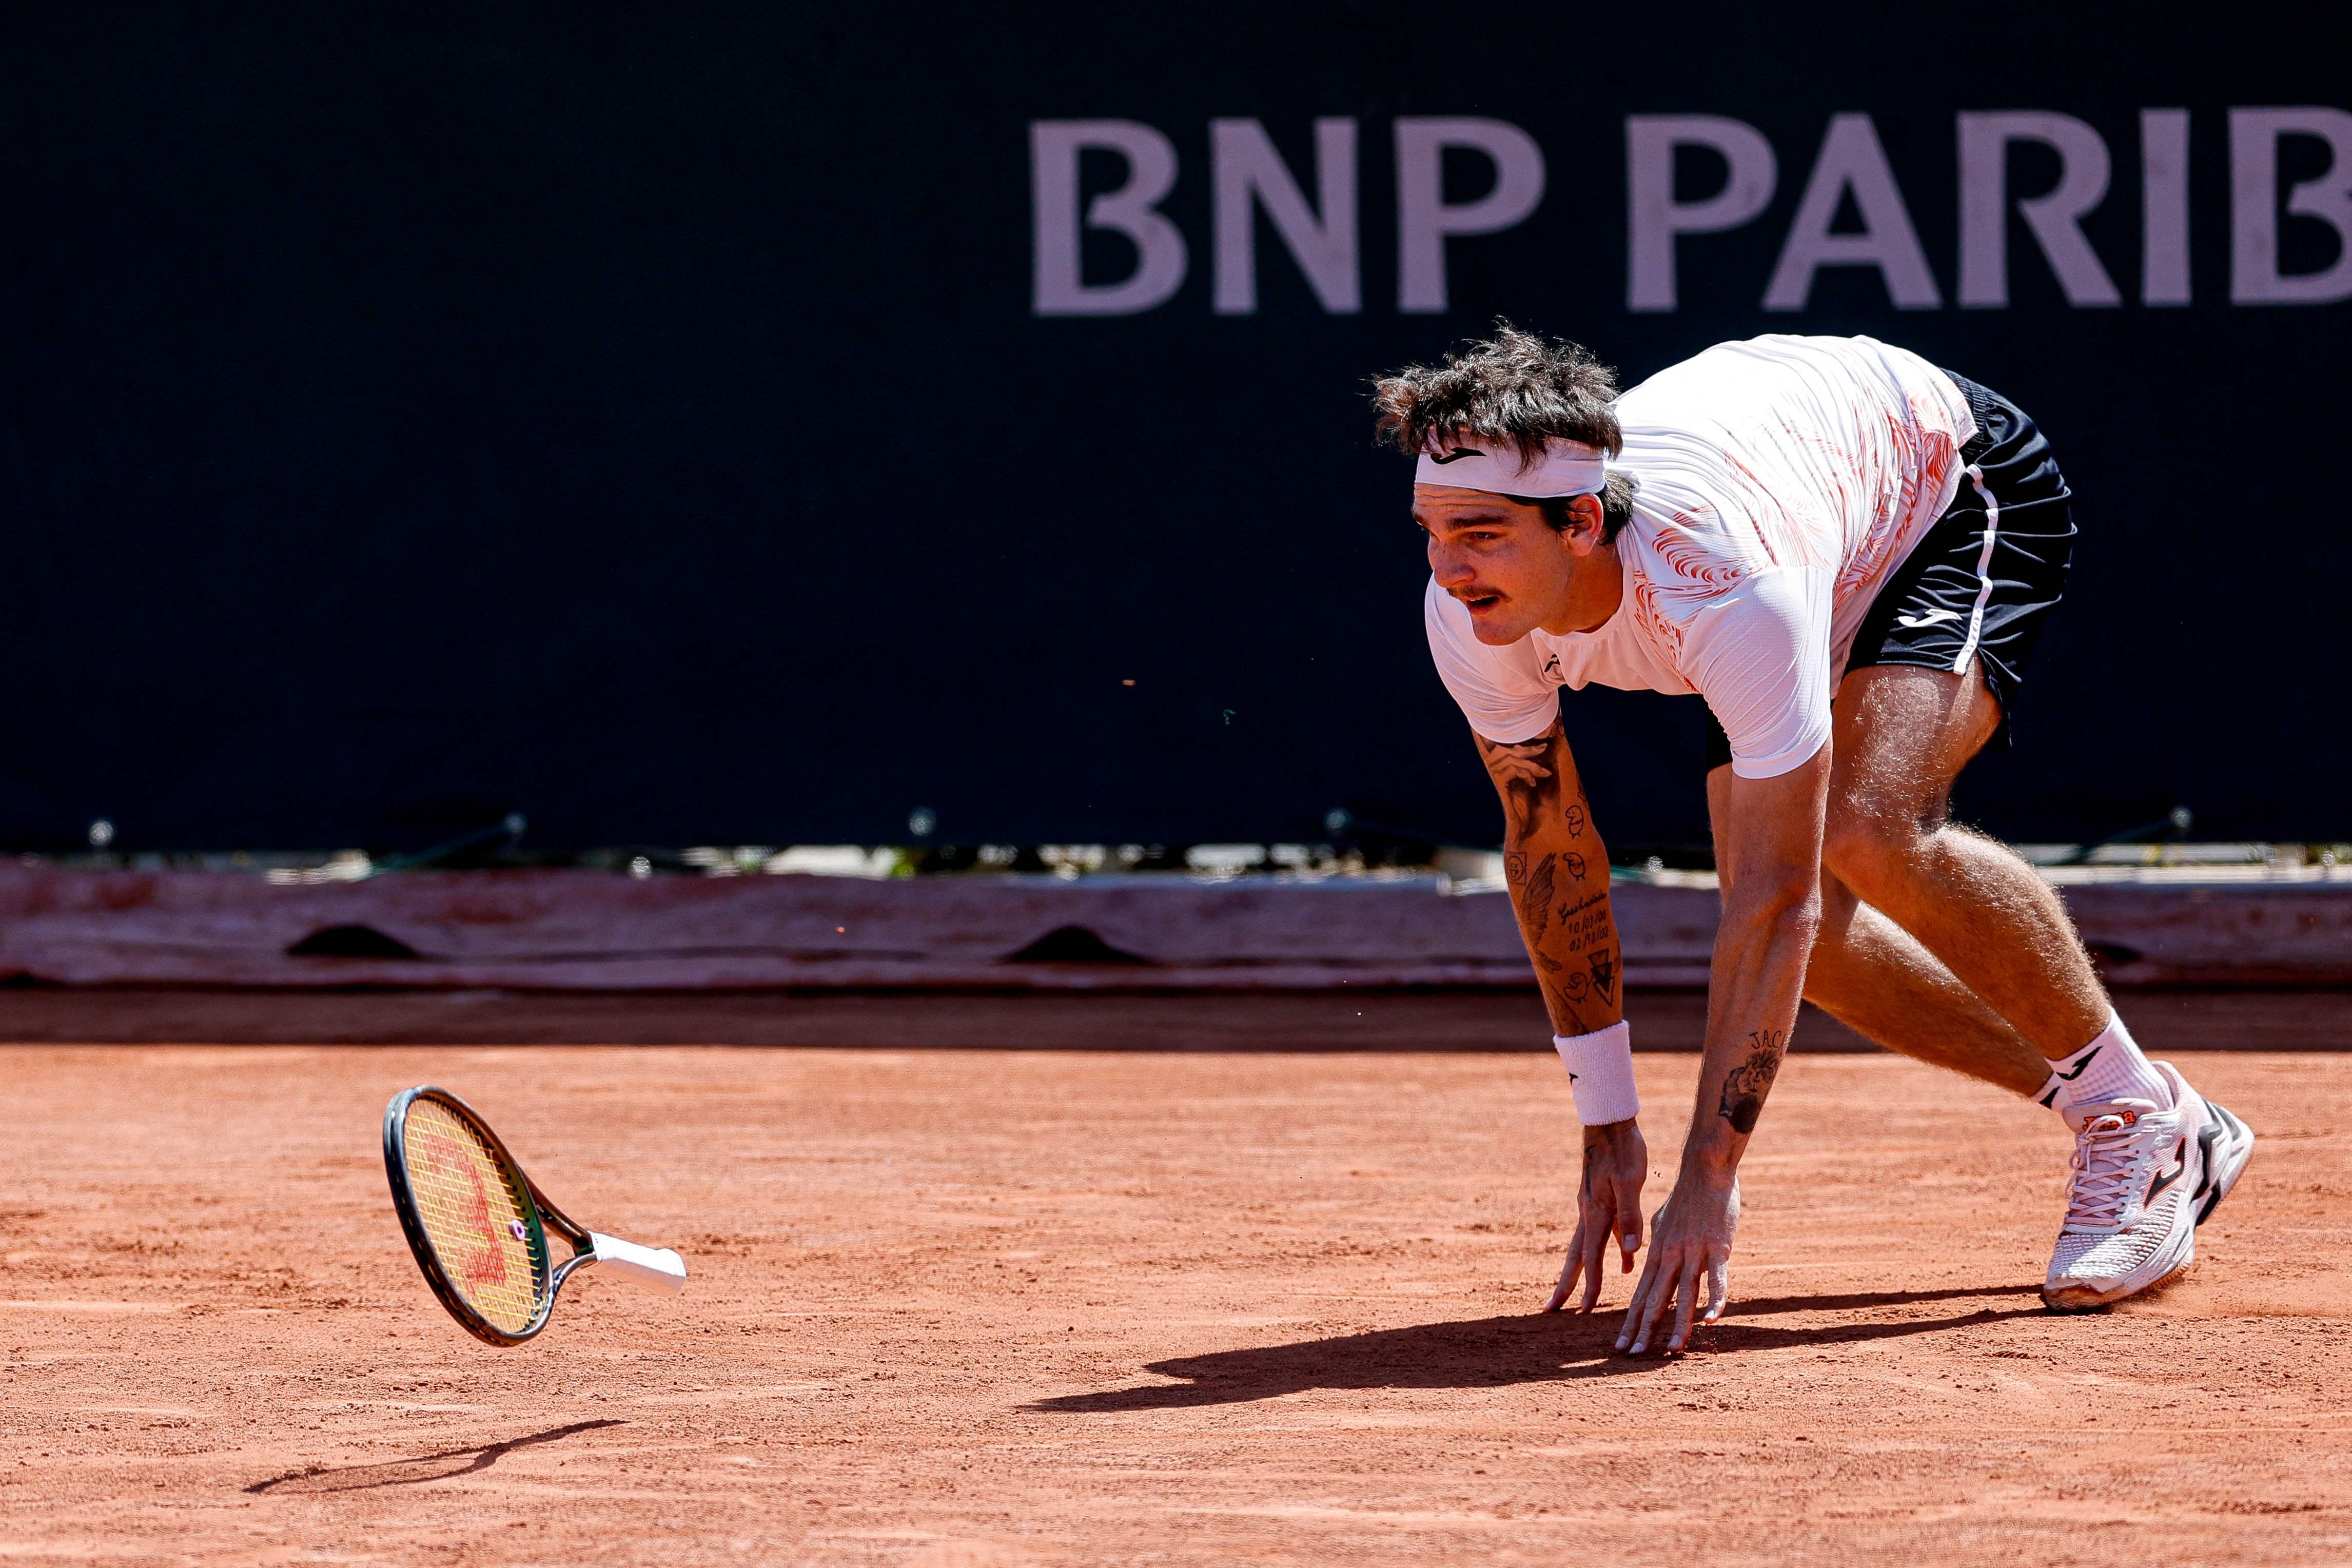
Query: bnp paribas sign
x=1315, y=216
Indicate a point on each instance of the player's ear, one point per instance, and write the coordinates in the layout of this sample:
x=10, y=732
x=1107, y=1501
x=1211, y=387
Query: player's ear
x=1586, y=529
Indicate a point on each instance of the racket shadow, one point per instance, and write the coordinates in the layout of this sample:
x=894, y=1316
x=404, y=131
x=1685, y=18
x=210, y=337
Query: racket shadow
x=441, y=1467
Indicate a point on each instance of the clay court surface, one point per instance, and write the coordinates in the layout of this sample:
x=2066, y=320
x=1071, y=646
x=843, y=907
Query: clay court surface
x=995, y=1307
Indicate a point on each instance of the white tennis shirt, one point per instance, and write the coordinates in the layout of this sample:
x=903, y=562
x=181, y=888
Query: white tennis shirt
x=1781, y=480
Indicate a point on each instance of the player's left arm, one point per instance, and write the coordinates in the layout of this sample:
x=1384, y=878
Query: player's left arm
x=1771, y=835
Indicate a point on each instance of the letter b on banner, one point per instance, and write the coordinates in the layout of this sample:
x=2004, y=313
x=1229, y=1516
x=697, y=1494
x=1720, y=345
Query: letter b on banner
x=1132, y=210
x=2254, y=275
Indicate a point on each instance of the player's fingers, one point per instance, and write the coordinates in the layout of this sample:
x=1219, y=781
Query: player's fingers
x=1657, y=1294
x=1641, y=1295
x=1718, y=1284
x=1594, y=1248
x=1567, y=1272
x=1687, y=1301
x=1628, y=1223
x=1653, y=1269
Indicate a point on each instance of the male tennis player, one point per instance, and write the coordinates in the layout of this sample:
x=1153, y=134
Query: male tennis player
x=1849, y=554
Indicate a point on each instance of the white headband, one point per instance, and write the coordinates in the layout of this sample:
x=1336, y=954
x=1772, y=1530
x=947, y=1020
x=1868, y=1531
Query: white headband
x=1565, y=469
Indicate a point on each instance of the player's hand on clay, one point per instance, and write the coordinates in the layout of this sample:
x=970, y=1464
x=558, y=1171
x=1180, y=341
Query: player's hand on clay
x=1690, y=1249
x=1608, y=1204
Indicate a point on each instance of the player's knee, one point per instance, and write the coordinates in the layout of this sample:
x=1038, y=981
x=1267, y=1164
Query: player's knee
x=1864, y=849
x=1839, y=904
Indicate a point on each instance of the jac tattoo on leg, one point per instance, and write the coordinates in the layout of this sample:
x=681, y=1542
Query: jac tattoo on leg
x=1745, y=1086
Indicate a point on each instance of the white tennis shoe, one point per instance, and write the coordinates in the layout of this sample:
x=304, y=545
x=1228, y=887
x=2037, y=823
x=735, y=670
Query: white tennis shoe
x=2144, y=1176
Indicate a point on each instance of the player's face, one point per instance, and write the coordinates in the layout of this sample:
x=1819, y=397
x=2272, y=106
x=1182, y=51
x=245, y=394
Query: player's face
x=1509, y=568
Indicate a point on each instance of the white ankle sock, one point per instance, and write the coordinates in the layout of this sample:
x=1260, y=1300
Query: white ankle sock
x=2110, y=1068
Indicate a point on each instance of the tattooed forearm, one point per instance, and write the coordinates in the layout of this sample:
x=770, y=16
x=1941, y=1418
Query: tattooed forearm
x=1603, y=967
x=1585, y=906
x=1531, y=787
x=1558, y=872
x=1538, y=903
x=1744, y=1086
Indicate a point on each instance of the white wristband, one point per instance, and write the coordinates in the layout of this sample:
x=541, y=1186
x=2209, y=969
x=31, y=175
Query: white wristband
x=1600, y=1071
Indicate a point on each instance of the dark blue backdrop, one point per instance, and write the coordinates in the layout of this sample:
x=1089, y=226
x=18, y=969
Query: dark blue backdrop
x=638, y=416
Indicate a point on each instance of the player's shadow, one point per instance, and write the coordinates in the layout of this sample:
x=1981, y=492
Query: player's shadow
x=439, y=1467
x=1486, y=1352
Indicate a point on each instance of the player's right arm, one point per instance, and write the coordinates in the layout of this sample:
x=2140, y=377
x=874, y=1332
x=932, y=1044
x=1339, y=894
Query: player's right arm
x=1558, y=872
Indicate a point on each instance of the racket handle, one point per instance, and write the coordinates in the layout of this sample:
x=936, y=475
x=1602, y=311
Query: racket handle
x=655, y=1266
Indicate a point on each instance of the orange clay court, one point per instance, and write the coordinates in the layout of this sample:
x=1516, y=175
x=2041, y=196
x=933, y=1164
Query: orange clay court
x=960, y=1308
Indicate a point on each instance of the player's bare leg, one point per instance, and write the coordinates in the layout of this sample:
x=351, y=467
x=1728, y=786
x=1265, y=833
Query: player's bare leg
x=1874, y=977
x=1902, y=735
x=2152, y=1156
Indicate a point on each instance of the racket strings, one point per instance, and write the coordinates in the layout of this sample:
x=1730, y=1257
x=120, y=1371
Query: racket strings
x=476, y=1215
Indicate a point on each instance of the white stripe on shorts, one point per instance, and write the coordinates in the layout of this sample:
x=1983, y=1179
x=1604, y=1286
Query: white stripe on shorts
x=1984, y=572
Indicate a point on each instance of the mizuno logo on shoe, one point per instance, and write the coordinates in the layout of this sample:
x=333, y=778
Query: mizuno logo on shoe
x=2166, y=1178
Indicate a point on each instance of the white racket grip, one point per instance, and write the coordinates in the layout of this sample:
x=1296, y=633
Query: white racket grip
x=655, y=1266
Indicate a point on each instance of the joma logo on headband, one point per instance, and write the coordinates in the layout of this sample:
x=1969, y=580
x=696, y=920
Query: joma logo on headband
x=1455, y=456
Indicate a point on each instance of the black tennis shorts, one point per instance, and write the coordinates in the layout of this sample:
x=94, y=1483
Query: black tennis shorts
x=2000, y=547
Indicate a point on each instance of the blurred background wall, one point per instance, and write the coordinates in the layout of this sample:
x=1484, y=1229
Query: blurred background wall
x=716, y=423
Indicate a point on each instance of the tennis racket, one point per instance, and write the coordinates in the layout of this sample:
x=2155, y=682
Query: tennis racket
x=479, y=1226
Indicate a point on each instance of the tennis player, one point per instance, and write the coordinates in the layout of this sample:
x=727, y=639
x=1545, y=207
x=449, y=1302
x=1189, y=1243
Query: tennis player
x=1850, y=554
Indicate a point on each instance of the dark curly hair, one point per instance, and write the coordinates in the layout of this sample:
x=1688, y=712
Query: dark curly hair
x=1513, y=388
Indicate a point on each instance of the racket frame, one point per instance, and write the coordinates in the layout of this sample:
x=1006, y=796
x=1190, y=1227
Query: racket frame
x=540, y=1215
